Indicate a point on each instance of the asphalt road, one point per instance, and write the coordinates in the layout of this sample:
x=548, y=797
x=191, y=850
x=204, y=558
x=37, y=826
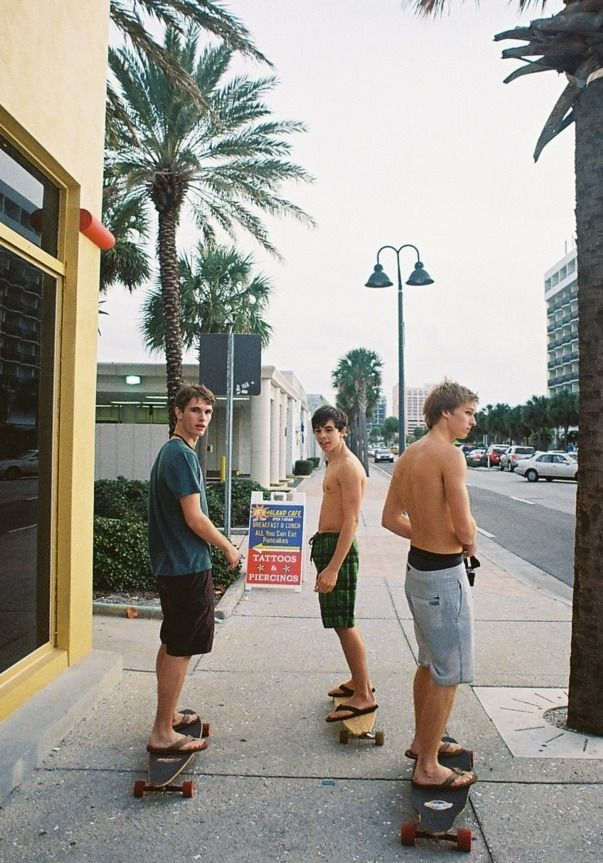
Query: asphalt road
x=535, y=521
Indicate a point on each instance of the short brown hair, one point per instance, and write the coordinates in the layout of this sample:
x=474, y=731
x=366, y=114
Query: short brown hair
x=193, y=391
x=446, y=396
x=325, y=413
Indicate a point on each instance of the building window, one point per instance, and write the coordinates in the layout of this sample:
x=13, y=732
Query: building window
x=29, y=202
x=28, y=300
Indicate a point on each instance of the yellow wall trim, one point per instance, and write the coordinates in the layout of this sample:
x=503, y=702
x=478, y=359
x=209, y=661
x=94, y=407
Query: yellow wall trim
x=34, y=677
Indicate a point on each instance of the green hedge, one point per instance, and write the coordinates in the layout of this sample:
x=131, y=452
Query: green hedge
x=122, y=498
x=121, y=556
x=303, y=467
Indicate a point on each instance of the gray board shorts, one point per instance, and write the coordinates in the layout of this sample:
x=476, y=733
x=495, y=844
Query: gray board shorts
x=440, y=600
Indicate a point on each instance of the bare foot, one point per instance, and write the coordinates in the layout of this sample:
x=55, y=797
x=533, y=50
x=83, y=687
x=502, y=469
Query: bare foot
x=178, y=743
x=357, y=702
x=443, y=777
x=183, y=719
x=446, y=750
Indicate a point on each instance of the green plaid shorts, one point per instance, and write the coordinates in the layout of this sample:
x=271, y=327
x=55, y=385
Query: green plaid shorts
x=337, y=607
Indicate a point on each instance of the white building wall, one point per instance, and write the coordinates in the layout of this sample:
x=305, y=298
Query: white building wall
x=127, y=449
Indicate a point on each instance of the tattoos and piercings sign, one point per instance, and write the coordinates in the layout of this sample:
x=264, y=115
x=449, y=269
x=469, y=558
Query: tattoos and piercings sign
x=276, y=540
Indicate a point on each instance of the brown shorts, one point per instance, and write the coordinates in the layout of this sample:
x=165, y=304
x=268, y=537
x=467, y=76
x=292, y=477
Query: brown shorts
x=187, y=602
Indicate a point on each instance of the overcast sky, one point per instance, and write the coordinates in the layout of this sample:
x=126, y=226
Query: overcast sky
x=412, y=138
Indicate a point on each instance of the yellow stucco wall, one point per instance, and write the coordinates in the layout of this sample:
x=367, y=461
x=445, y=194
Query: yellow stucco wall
x=52, y=104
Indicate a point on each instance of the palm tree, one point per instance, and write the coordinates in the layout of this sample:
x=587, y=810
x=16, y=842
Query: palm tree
x=564, y=409
x=127, y=262
x=357, y=379
x=572, y=42
x=226, y=161
x=217, y=291
x=131, y=18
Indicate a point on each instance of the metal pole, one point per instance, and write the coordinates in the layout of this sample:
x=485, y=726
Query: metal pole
x=229, y=412
x=401, y=394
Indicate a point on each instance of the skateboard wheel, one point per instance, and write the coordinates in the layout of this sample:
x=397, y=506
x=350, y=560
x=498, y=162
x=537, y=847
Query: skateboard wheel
x=379, y=738
x=139, y=787
x=205, y=729
x=463, y=839
x=188, y=788
x=408, y=833
x=344, y=735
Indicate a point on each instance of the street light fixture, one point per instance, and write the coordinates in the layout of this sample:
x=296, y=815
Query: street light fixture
x=379, y=279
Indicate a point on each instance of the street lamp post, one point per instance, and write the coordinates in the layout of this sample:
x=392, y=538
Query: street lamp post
x=379, y=279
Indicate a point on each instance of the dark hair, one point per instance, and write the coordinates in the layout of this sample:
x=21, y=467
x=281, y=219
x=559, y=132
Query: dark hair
x=193, y=391
x=446, y=396
x=325, y=413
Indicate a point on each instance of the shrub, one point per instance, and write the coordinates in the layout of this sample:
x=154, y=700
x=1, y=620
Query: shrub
x=315, y=460
x=303, y=467
x=222, y=576
x=240, y=501
x=122, y=498
x=121, y=556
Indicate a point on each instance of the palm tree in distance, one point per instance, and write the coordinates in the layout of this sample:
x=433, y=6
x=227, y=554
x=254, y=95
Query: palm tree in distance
x=357, y=380
x=571, y=42
x=218, y=291
x=227, y=161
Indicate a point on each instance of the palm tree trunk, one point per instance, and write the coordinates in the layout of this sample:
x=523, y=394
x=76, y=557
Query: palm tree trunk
x=585, y=711
x=362, y=444
x=170, y=293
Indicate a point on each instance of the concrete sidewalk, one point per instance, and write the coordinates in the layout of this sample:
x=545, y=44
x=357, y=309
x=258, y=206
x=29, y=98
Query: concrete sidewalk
x=275, y=784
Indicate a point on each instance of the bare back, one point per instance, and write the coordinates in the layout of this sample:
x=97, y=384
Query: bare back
x=429, y=485
x=342, y=492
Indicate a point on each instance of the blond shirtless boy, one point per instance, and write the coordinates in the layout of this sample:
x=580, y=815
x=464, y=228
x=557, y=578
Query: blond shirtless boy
x=428, y=503
x=335, y=555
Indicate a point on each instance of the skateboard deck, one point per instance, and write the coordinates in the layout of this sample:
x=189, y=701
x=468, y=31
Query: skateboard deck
x=164, y=769
x=438, y=809
x=359, y=727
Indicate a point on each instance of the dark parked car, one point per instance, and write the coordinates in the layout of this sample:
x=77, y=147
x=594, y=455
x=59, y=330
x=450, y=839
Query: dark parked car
x=476, y=457
x=493, y=454
x=514, y=454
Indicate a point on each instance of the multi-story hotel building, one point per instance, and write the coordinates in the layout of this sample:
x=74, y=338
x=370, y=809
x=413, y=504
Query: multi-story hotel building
x=414, y=399
x=561, y=295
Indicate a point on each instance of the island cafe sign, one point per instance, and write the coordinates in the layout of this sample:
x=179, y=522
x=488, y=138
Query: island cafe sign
x=276, y=540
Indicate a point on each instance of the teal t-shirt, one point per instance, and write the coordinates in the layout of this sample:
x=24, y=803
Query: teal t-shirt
x=174, y=548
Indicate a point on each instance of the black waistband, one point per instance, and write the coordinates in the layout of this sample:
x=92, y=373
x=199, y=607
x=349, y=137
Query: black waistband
x=430, y=561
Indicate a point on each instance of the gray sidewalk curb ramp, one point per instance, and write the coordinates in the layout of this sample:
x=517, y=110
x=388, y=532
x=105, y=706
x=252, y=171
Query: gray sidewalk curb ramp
x=34, y=729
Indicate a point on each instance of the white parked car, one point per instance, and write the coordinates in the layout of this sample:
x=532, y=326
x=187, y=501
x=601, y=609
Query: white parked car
x=513, y=455
x=547, y=465
x=22, y=465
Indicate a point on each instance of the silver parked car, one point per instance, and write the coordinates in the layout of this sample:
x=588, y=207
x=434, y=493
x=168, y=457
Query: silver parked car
x=514, y=454
x=23, y=465
x=548, y=465
x=383, y=455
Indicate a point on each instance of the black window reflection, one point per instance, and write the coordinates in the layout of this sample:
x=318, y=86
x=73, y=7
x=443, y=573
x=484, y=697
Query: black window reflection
x=27, y=326
x=29, y=202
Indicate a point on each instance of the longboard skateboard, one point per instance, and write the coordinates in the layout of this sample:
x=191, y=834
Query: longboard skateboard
x=359, y=727
x=438, y=809
x=164, y=769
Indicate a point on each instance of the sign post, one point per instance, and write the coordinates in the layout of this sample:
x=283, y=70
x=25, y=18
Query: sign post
x=275, y=556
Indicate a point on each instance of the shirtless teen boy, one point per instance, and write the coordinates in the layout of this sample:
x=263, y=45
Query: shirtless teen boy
x=335, y=555
x=428, y=503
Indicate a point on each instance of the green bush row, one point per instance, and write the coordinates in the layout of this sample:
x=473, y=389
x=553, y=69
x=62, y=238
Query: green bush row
x=121, y=556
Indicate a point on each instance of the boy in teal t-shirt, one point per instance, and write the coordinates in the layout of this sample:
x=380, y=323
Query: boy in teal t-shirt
x=180, y=535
